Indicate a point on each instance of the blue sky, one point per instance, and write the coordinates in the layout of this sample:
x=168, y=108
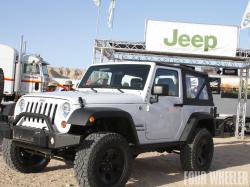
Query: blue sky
x=63, y=31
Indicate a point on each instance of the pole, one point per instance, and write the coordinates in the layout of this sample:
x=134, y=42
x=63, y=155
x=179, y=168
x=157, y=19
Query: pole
x=242, y=100
x=18, y=74
x=97, y=33
x=97, y=21
x=24, y=47
x=246, y=95
x=94, y=53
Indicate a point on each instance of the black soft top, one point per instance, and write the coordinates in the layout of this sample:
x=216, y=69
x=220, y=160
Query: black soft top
x=184, y=68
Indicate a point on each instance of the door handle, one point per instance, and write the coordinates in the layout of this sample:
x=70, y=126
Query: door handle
x=178, y=105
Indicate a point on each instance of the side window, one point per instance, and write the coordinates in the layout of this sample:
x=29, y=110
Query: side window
x=170, y=78
x=36, y=69
x=195, y=87
x=27, y=68
x=203, y=95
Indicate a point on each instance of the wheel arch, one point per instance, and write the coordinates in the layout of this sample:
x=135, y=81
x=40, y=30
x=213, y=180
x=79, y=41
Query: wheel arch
x=198, y=120
x=106, y=119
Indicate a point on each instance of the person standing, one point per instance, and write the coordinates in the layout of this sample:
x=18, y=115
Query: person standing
x=52, y=86
x=68, y=86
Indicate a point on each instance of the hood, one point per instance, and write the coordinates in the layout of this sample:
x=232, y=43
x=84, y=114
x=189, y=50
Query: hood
x=92, y=98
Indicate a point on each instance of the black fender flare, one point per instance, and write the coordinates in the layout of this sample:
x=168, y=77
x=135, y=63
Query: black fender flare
x=81, y=117
x=193, y=123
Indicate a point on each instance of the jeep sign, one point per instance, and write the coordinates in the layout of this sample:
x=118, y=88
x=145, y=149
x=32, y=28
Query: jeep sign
x=190, y=38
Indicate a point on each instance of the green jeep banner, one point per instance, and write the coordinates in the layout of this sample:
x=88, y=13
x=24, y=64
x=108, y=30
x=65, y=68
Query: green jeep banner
x=190, y=38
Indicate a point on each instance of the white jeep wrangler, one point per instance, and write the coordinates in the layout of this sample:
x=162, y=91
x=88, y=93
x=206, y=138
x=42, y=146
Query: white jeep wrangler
x=118, y=111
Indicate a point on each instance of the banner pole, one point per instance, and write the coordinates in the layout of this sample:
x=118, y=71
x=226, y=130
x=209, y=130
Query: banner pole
x=97, y=21
x=248, y=36
x=238, y=42
x=97, y=33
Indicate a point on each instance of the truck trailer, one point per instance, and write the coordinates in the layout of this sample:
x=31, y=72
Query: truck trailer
x=225, y=90
x=31, y=77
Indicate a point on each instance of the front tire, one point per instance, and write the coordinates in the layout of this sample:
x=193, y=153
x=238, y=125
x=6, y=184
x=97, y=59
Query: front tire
x=1, y=85
x=103, y=161
x=197, y=154
x=19, y=159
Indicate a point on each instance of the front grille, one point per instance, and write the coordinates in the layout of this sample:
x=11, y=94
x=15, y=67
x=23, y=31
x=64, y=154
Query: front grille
x=48, y=109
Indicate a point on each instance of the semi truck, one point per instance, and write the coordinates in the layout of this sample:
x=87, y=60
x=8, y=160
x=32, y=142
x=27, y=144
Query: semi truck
x=23, y=73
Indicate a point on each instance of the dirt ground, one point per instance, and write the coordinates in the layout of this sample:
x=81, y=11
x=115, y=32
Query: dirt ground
x=149, y=170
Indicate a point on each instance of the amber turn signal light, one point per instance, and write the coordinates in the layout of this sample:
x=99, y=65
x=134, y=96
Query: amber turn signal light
x=91, y=119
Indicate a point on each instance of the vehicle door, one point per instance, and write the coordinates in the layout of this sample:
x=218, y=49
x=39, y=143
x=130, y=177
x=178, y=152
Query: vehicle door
x=31, y=78
x=164, y=117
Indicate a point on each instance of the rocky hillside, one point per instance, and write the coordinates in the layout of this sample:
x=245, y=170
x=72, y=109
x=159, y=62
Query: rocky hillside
x=63, y=72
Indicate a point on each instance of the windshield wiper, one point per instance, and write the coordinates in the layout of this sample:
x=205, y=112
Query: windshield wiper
x=94, y=90
x=119, y=89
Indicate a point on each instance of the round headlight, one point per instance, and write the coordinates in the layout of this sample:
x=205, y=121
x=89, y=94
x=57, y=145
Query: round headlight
x=66, y=109
x=22, y=105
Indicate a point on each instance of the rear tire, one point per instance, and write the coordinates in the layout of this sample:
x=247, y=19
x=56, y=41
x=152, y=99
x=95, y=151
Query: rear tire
x=19, y=159
x=247, y=126
x=197, y=154
x=103, y=161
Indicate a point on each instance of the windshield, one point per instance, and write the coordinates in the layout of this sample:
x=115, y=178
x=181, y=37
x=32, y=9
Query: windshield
x=116, y=76
x=31, y=68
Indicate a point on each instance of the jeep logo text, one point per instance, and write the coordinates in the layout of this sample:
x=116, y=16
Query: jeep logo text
x=197, y=41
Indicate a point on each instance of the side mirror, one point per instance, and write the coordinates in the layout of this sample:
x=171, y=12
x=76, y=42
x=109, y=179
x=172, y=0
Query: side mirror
x=160, y=90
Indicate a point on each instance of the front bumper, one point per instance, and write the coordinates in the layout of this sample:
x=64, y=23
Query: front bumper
x=38, y=137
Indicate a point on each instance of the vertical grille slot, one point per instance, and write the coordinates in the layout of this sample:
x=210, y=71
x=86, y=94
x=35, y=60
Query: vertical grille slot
x=27, y=107
x=45, y=107
x=31, y=107
x=39, y=111
x=40, y=108
x=27, y=110
x=50, y=106
x=54, y=114
x=44, y=110
x=51, y=111
x=35, y=110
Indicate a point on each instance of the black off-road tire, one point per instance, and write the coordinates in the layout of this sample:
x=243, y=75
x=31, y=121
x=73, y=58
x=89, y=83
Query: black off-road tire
x=1, y=85
x=247, y=126
x=197, y=154
x=104, y=160
x=19, y=160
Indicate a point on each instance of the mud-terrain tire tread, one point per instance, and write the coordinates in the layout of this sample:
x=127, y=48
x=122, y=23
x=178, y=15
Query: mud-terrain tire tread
x=1, y=85
x=11, y=160
x=86, y=155
x=187, y=155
